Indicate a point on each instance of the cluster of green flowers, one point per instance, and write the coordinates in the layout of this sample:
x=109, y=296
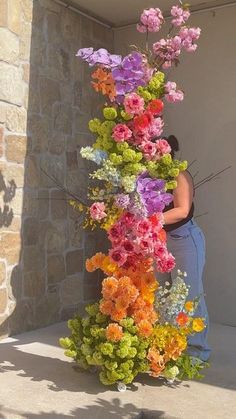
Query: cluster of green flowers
x=154, y=89
x=89, y=346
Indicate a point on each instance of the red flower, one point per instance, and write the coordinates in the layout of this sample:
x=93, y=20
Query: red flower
x=156, y=107
x=142, y=122
x=182, y=319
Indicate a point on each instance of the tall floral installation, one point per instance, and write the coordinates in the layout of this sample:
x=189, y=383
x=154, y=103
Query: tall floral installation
x=137, y=326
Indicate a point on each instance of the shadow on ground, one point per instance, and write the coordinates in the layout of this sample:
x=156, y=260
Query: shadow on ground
x=99, y=410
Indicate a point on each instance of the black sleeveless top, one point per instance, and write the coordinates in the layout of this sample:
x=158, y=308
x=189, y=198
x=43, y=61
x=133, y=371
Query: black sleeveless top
x=171, y=227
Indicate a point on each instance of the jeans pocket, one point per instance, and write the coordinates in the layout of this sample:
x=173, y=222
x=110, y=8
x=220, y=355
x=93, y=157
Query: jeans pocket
x=179, y=236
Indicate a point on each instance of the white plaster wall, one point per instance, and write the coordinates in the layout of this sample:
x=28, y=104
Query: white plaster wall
x=205, y=124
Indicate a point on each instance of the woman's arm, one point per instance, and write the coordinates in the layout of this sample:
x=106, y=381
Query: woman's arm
x=183, y=198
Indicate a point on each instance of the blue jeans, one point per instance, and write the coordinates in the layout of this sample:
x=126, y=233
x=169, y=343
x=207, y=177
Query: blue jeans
x=187, y=244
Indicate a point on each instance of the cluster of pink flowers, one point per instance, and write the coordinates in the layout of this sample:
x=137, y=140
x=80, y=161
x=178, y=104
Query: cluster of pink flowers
x=168, y=50
x=172, y=93
x=150, y=20
x=188, y=38
x=134, y=239
x=97, y=211
x=180, y=16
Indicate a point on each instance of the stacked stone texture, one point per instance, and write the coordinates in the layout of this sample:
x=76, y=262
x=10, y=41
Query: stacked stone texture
x=45, y=105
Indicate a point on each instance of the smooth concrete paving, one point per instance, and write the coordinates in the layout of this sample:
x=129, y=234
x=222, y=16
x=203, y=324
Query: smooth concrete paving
x=38, y=381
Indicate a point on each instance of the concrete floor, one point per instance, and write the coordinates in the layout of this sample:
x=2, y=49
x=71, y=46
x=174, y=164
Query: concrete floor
x=37, y=381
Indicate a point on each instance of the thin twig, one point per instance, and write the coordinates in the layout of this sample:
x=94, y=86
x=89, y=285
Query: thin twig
x=201, y=215
x=211, y=177
x=190, y=164
x=61, y=187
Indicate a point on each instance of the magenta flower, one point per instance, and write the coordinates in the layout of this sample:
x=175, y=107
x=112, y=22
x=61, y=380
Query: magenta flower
x=118, y=255
x=121, y=133
x=97, y=211
x=166, y=263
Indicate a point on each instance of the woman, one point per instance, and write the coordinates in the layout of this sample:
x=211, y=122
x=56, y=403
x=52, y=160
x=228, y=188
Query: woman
x=187, y=244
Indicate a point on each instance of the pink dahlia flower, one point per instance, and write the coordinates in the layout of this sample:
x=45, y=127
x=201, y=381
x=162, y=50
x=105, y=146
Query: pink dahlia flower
x=97, y=211
x=121, y=133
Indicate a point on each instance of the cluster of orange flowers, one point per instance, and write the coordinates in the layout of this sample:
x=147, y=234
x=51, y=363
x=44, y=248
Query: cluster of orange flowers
x=171, y=342
x=127, y=292
x=105, y=83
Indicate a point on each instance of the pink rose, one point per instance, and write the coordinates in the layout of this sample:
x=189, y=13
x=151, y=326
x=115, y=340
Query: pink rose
x=149, y=149
x=143, y=227
x=97, y=211
x=166, y=264
x=134, y=104
x=163, y=147
x=121, y=133
x=118, y=255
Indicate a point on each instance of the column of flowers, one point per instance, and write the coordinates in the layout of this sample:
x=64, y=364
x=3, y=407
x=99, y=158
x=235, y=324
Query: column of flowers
x=137, y=326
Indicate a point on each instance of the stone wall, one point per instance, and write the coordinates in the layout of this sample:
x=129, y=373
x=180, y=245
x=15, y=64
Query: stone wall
x=45, y=104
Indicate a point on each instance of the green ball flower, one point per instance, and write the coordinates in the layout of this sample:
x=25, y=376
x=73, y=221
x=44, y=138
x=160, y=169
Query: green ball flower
x=126, y=116
x=94, y=125
x=106, y=348
x=122, y=146
x=110, y=113
x=116, y=159
x=129, y=155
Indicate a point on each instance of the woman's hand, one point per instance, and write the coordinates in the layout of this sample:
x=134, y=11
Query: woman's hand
x=183, y=199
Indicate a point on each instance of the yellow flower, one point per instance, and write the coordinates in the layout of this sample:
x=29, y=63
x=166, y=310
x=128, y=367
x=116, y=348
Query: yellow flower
x=198, y=324
x=189, y=306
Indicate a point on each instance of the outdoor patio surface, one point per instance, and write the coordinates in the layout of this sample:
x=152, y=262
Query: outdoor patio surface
x=38, y=381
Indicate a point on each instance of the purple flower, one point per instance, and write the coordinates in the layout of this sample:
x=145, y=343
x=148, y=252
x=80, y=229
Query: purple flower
x=85, y=53
x=100, y=57
x=152, y=193
x=122, y=200
x=130, y=74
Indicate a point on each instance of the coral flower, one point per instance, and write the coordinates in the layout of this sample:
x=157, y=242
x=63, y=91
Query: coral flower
x=182, y=319
x=156, y=106
x=90, y=266
x=143, y=121
x=145, y=328
x=114, y=332
x=122, y=302
x=198, y=325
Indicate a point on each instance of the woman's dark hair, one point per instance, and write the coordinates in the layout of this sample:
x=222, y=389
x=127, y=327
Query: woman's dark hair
x=173, y=142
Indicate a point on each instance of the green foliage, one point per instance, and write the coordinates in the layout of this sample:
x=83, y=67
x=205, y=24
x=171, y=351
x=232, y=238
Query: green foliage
x=190, y=367
x=89, y=346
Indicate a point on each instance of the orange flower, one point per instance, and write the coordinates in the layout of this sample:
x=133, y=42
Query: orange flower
x=114, y=332
x=175, y=347
x=105, y=83
x=118, y=314
x=122, y=302
x=106, y=307
x=109, y=287
x=189, y=306
x=145, y=328
x=162, y=235
x=157, y=361
x=182, y=319
x=139, y=315
x=89, y=265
